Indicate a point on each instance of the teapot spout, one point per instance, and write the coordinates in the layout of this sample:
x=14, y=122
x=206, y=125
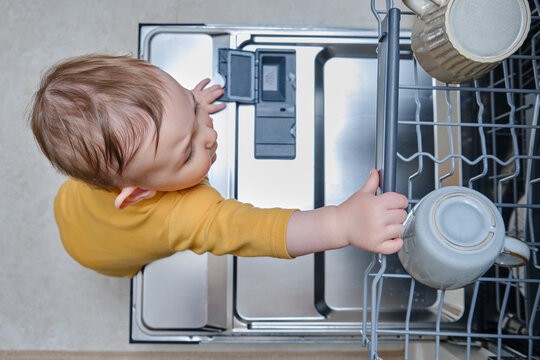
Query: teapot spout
x=420, y=6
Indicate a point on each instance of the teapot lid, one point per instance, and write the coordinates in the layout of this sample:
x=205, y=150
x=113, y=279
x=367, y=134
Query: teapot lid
x=463, y=221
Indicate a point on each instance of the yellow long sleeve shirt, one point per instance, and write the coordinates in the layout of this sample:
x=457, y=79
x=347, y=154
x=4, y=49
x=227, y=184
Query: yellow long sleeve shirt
x=120, y=242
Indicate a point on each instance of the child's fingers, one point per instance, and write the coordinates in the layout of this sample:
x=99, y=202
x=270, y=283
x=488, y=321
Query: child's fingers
x=395, y=216
x=372, y=183
x=394, y=200
x=214, y=108
x=390, y=246
x=214, y=93
x=201, y=85
x=210, y=95
x=214, y=88
x=393, y=231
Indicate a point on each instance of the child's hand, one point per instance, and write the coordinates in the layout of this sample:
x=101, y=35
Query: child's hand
x=206, y=97
x=373, y=223
x=366, y=221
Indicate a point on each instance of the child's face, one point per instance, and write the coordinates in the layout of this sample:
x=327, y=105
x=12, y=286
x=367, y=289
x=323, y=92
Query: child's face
x=187, y=145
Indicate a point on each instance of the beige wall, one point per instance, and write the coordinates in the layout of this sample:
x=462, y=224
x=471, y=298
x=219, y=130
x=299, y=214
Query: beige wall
x=47, y=301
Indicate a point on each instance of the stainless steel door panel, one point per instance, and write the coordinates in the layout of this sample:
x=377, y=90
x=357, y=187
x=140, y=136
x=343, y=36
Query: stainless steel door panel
x=268, y=288
x=349, y=75
x=349, y=125
x=176, y=299
x=185, y=291
x=190, y=57
x=282, y=183
x=186, y=57
x=275, y=289
x=349, y=154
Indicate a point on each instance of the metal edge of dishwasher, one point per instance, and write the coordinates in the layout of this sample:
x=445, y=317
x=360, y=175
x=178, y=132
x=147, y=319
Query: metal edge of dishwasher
x=328, y=321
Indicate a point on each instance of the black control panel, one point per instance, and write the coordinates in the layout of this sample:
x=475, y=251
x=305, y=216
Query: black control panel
x=267, y=79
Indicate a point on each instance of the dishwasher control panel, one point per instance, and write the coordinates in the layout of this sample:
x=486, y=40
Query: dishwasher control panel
x=267, y=79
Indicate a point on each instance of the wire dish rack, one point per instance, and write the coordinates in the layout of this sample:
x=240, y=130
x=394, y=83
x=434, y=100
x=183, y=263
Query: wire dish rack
x=481, y=135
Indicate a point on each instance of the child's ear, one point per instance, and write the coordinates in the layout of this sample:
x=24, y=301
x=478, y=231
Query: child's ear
x=131, y=195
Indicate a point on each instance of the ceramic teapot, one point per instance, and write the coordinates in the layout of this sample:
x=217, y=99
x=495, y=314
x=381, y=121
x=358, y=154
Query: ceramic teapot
x=453, y=236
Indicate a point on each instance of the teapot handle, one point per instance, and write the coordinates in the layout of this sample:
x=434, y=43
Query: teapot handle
x=420, y=6
x=514, y=253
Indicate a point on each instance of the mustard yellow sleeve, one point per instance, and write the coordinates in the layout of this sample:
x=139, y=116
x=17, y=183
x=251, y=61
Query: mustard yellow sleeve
x=107, y=240
x=202, y=220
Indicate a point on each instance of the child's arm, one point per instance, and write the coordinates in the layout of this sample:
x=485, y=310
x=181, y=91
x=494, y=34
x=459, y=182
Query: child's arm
x=367, y=221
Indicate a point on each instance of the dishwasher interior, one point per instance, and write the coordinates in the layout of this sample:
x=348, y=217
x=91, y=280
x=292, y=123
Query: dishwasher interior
x=311, y=111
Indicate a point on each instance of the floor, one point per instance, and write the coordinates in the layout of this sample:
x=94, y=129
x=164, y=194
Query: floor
x=55, y=355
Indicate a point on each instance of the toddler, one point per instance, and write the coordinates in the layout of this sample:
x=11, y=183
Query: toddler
x=137, y=147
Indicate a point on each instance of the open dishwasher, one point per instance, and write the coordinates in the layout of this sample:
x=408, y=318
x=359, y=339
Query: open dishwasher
x=351, y=99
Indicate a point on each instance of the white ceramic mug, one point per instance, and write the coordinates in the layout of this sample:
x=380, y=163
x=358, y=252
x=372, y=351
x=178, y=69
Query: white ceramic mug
x=453, y=236
x=456, y=41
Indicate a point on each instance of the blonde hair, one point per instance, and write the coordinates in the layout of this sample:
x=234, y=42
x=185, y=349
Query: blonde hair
x=91, y=113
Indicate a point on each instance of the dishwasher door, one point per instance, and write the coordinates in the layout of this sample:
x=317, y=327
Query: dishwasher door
x=314, y=298
x=482, y=135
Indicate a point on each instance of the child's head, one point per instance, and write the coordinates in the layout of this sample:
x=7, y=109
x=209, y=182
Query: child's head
x=121, y=123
